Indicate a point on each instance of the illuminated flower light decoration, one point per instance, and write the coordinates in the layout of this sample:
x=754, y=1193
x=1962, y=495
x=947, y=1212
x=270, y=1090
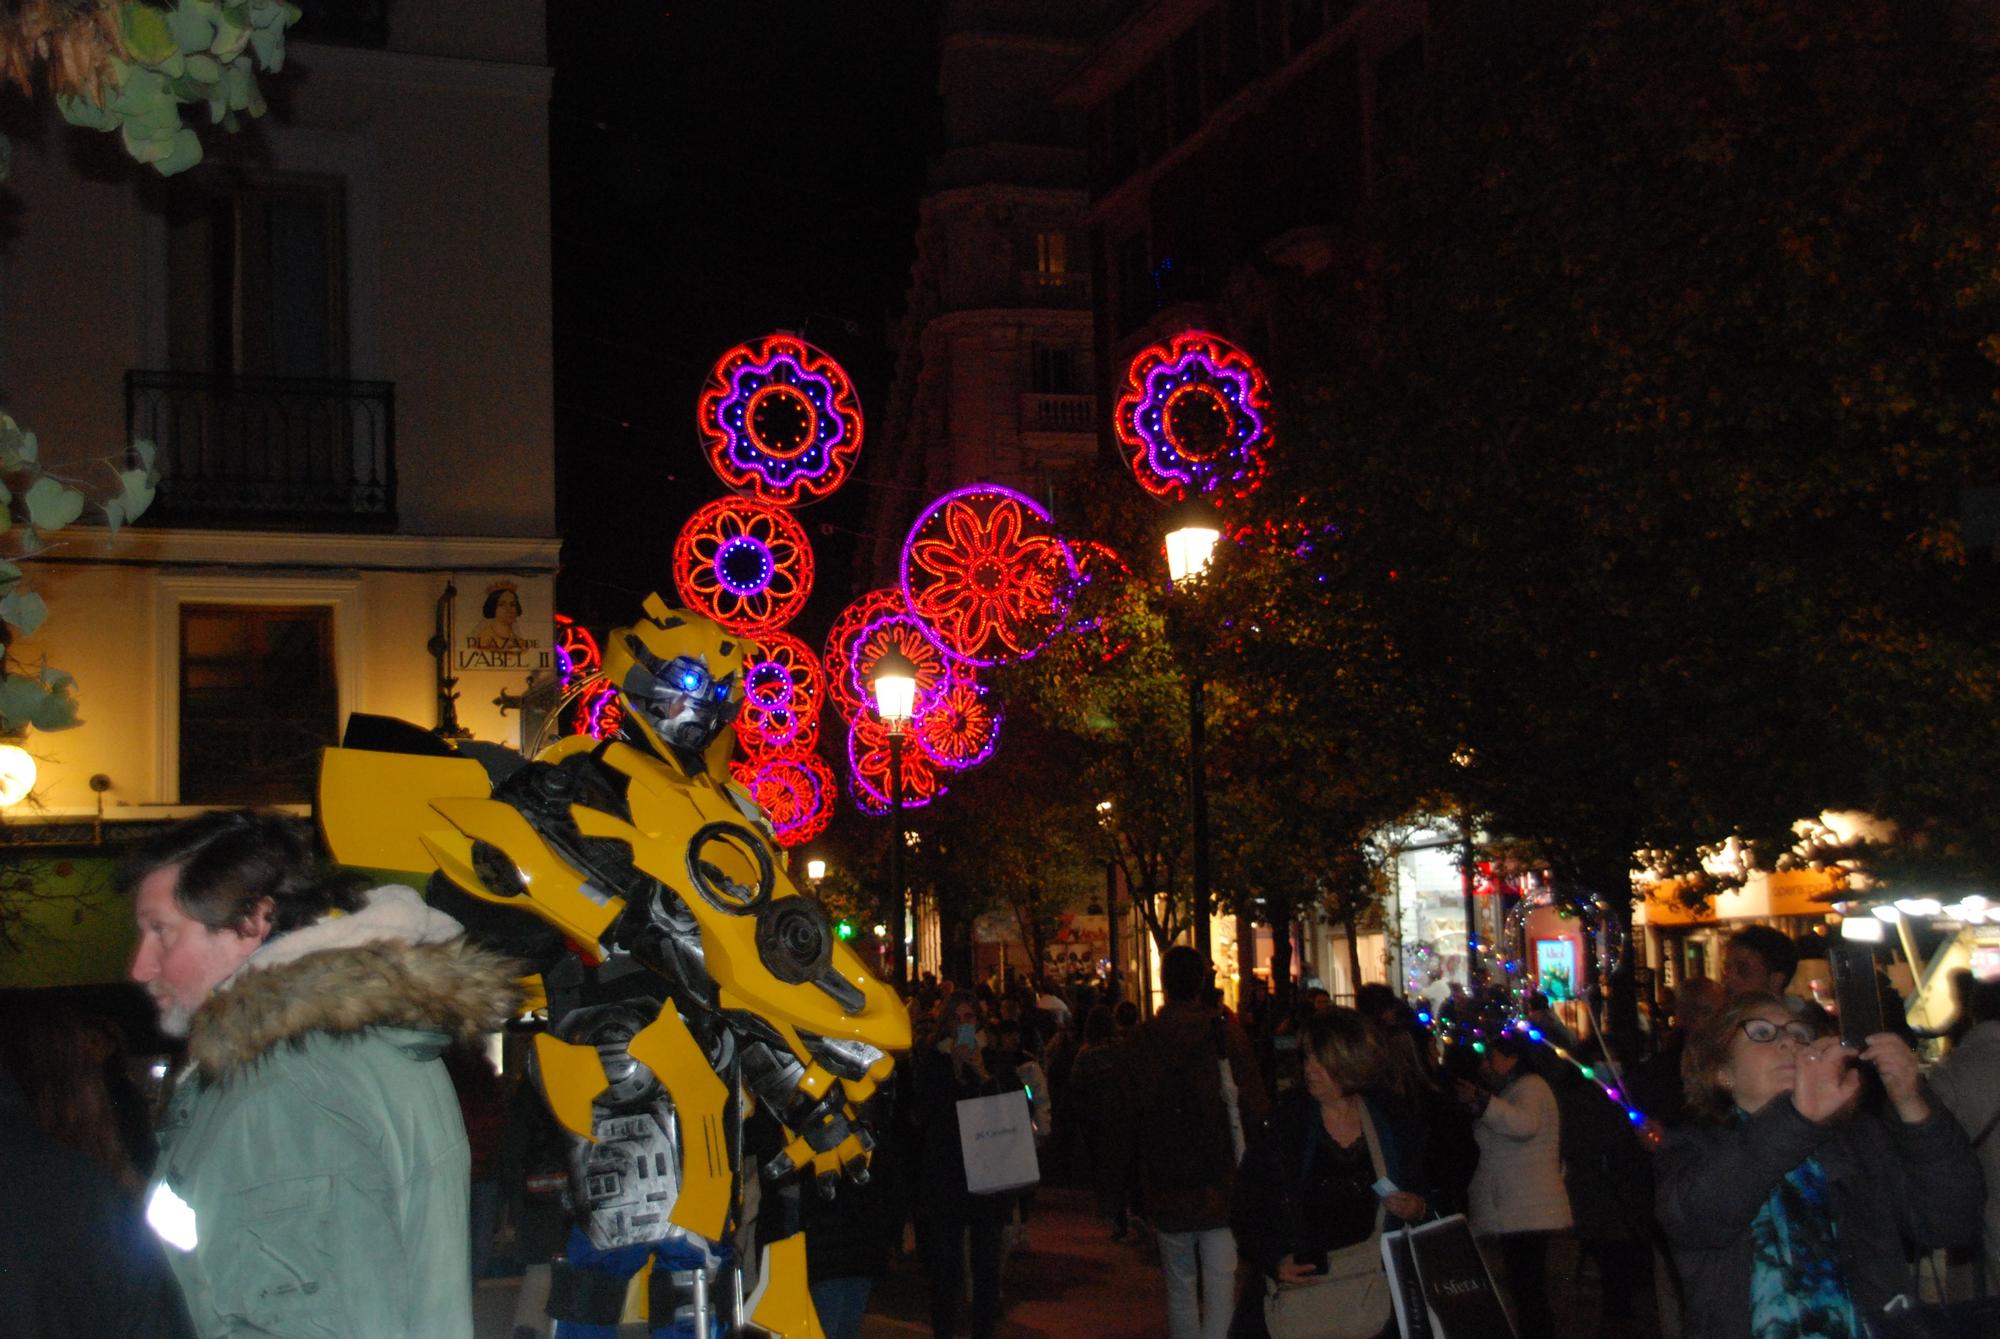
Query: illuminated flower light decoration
x=793, y=788
x=780, y=419
x=602, y=712
x=1195, y=418
x=782, y=693
x=868, y=768
x=848, y=626
x=883, y=634
x=1101, y=577
x=958, y=726
x=577, y=655
x=747, y=565
x=986, y=574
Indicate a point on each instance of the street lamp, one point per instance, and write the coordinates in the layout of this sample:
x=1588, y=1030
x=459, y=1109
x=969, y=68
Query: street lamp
x=894, y=681
x=1192, y=534
x=815, y=870
x=1110, y=897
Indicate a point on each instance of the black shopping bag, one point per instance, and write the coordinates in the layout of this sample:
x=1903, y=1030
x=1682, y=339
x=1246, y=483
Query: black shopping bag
x=1454, y=1296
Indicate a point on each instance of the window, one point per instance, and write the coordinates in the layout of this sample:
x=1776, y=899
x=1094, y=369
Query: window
x=258, y=701
x=1239, y=59
x=1054, y=371
x=1052, y=253
x=256, y=279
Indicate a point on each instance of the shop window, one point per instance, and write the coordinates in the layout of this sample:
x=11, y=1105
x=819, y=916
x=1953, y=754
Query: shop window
x=258, y=701
x=1052, y=253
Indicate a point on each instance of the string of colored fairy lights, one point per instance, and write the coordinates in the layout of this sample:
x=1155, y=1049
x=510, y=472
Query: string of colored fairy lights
x=1614, y=1089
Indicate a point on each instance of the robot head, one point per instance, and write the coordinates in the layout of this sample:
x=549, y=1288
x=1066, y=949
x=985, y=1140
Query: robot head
x=680, y=678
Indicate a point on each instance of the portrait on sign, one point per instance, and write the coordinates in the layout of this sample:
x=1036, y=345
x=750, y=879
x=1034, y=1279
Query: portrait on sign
x=509, y=629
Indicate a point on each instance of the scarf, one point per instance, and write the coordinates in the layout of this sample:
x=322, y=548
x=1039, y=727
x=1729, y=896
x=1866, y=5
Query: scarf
x=1796, y=1290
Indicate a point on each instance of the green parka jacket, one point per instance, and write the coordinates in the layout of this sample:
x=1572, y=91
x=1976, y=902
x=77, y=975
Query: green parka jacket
x=316, y=1139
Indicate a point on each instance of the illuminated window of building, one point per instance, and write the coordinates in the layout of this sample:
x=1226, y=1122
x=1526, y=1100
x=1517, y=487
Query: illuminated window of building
x=1052, y=252
x=259, y=699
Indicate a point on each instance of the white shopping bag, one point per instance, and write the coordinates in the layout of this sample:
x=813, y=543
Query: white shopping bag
x=997, y=1135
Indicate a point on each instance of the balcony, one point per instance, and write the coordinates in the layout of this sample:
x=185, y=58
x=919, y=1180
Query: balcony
x=264, y=453
x=1058, y=413
x=1067, y=290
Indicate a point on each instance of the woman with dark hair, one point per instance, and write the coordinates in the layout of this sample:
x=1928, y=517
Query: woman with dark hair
x=1305, y=1211
x=1788, y=1204
x=949, y=1066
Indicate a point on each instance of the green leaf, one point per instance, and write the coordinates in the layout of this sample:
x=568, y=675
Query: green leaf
x=57, y=709
x=29, y=449
x=269, y=44
x=231, y=36
x=186, y=152
x=83, y=112
x=146, y=451
x=144, y=146
x=52, y=505
x=24, y=610
x=9, y=575
x=237, y=85
x=114, y=515
x=140, y=90
x=193, y=30
x=20, y=698
x=136, y=492
x=204, y=68
x=147, y=37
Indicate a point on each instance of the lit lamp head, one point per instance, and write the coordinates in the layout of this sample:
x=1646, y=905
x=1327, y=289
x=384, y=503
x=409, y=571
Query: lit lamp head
x=815, y=869
x=17, y=774
x=1192, y=533
x=895, y=683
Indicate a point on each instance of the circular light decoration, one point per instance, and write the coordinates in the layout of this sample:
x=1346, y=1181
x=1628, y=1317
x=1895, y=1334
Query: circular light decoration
x=892, y=632
x=793, y=788
x=1101, y=577
x=577, y=654
x=781, y=419
x=986, y=573
x=1195, y=418
x=958, y=726
x=868, y=761
x=847, y=627
x=782, y=692
x=602, y=712
x=745, y=564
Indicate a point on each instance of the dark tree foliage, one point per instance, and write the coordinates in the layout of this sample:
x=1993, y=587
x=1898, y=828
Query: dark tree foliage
x=1647, y=423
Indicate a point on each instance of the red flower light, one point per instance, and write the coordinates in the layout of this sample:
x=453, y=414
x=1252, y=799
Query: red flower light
x=745, y=564
x=959, y=725
x=783, y=690
x=848, y=626
x=868, y=757
x=985, y=571
x=793, y=788
x=781, y=420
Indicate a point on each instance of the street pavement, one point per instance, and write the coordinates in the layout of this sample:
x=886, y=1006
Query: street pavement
x=1069, y=1279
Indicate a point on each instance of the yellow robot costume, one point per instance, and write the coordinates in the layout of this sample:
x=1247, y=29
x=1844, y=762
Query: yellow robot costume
x=685, y=977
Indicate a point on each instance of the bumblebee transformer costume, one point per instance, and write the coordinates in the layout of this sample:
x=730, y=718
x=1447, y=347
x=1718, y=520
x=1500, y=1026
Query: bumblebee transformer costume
x=683, y=975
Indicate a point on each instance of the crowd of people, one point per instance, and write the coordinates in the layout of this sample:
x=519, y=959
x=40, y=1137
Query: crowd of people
x=1777, y=1184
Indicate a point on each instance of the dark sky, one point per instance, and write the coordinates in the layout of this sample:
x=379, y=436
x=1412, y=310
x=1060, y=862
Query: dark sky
x=719, y=171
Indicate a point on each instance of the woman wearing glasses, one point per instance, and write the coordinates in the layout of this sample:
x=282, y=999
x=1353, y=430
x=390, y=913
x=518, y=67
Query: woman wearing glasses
x=1789, y=1201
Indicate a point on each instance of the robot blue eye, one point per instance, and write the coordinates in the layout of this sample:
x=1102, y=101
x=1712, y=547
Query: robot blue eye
x=690, y=681
x=722, y=692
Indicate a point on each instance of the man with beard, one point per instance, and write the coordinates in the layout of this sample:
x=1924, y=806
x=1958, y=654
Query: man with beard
x=313, y=1175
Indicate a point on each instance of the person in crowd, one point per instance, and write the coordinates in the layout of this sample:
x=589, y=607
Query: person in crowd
x=1788, y=1205
x=1443, y=1127
x=1608, y=1175
x=1758, y=959
x=1517, y=1194
x=482, y=1102
x=1305, y=1191
x=64, y=1064
x=1186, y=1062
x=849, y=1237
x=534, y=1178
x=1095, y=1082
x=1654, y=1085
x=76, y=1260
x=960, y=1227
x=313, y=1174
x=1967, y=1082
x=1125, y=1016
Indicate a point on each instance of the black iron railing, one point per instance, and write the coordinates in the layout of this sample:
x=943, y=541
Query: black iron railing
x=263, y=452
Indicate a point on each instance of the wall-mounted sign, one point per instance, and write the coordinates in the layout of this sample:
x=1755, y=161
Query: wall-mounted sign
x=507, y=625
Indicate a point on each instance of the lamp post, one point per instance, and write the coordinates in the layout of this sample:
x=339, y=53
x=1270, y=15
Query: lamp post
x=1110, y=900
x=1191, y=538
x=894, y=681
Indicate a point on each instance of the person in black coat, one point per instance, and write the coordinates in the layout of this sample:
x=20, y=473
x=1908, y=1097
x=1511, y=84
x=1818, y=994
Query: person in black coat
x=849, y=1236
x=1789, y=1205
x=948, y=1068
x=75, y=1256
x=1306, y=1185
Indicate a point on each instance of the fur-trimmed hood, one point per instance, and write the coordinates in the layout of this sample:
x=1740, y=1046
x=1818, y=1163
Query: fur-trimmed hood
x=433, y=979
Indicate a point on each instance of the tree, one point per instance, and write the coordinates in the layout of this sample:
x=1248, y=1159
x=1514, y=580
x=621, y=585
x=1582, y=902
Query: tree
x=1655, y=405
x=129, y=67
